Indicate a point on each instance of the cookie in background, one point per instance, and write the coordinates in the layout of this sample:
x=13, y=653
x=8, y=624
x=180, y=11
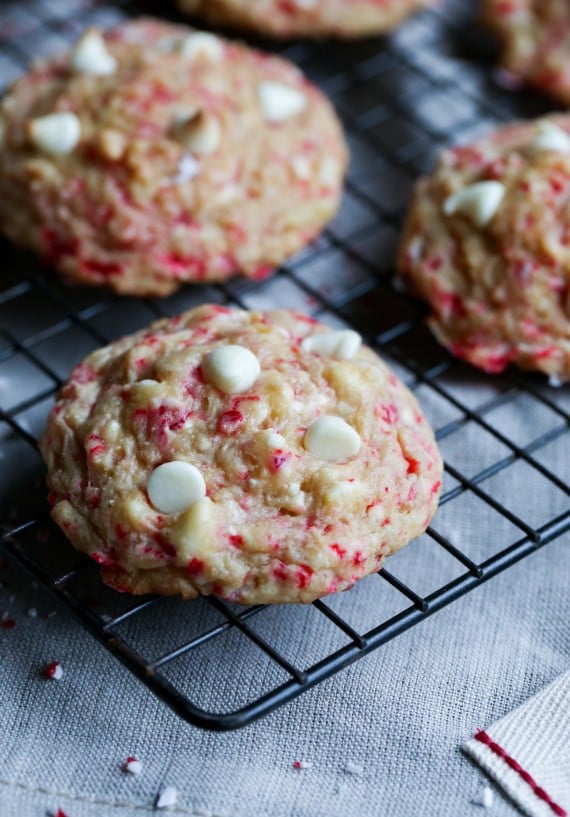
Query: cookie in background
x=486, y=242
x=535, y=41
x=153, y=155
x=305, y=18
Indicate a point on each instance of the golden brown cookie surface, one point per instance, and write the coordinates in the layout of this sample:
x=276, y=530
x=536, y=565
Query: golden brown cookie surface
x=535, y=35
x=308, y=18
x=156, y=154
x=487, y=244
x=257, y=456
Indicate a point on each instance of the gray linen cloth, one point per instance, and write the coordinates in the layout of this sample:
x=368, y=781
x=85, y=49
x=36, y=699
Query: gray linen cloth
x=383, y=737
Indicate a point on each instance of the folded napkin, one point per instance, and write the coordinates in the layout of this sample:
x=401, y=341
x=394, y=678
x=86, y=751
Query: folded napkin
x=528, y=751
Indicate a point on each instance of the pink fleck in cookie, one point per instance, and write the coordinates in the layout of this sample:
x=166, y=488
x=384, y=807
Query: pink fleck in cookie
x=487, y=244
x=308, y=18
x=535, y=35
x=156, y=154
x=256, y=456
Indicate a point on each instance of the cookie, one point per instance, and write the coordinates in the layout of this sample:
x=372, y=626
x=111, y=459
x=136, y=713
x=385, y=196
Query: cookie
x=487, y=244
x=535, y=36
x=307, y=18
x=155, y=155
x=259, y=457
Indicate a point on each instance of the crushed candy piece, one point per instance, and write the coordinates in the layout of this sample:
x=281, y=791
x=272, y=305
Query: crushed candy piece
x=132, y=766
x=168, y=797
x=90, y=55
x=479, y=202
x=53, y=671
x=484, y=797
x=7, y=621
x=550, y=137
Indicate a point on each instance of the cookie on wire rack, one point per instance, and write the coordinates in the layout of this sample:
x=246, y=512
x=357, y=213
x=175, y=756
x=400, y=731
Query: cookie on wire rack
x=487, y=244
x=155, y=154
x=259, y=457
x=306, y=18
x=535, y=39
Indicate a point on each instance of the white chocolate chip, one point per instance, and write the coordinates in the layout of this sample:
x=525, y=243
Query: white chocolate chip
x=56, y=133
x=329, y=172
x=202, y=45
x=275, y=440
x=175, y=486
x=199, y=132
x=342, y=492
x=479, y=202
x=550, y=137
x=90, y=55
x=331, y=438
x=407, y=415
x=342, y=345
x=231, y=369
x=301, y=167
x=194, y=533
x=280, y=102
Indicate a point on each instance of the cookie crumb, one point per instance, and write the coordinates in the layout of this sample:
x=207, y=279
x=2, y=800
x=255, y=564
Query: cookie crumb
x=188, y=167
x=507, y=80
x=53, y=671
x=353, y=768
x=302, y=765
x=168, y=797
x=484, y=797
x=132, y=766
x=555, y=382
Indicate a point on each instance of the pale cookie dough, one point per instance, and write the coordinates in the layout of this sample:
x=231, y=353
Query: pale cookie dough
x=535, y=36
x=279, y=471
x=307, y=18
x=154, y=154
x=487, y=244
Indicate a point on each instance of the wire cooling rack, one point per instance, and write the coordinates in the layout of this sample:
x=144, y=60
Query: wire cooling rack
x=505, y=439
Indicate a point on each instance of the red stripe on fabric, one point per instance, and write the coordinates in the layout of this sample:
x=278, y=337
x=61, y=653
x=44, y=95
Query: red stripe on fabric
x=483, y=737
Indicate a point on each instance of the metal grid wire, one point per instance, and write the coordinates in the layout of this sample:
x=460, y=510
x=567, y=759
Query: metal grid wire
x=505, y=439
